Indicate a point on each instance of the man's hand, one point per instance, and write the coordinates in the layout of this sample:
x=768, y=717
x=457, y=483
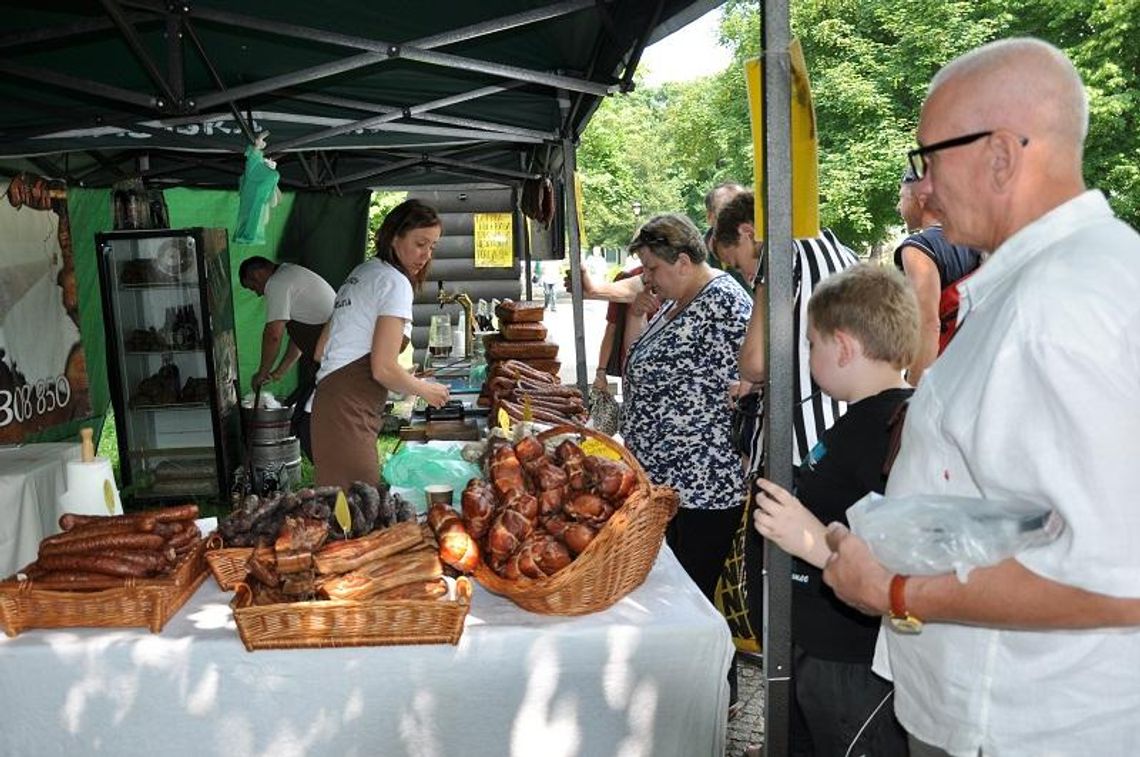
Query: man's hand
x=587, y=282
x=260, y=379
x=853, y=572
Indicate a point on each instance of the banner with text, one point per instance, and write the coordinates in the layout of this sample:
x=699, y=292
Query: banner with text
x=43, y=371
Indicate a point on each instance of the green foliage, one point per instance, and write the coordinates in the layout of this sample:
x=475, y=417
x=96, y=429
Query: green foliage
x=870, y=62
x=381, y=204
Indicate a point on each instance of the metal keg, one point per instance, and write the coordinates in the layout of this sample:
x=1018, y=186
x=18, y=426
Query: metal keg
x=276, y=465
x=264, y=424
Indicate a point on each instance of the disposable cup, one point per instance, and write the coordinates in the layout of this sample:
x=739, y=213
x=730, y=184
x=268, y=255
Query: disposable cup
x=438, y=494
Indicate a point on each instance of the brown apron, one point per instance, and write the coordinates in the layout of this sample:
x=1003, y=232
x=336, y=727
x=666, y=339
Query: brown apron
x=346, y=422
x=305, y=336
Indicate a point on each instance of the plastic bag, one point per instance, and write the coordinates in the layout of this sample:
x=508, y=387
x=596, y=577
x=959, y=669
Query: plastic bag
x=415, y=466
x=930, y=535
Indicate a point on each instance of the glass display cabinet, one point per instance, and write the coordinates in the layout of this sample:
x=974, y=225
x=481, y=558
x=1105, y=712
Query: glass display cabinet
x=171, y=361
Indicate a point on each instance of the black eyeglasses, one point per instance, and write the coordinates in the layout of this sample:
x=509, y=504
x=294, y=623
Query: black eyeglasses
x=917, y=156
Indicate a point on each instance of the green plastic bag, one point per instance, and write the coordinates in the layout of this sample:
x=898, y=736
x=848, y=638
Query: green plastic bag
x=414, y=466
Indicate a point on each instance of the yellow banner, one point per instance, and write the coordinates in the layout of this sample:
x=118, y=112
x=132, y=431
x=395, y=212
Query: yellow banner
x=494, y=235
x=805, y=145
x=581, y=216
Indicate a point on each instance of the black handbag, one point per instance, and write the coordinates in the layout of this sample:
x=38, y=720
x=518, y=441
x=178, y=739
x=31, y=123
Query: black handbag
x=747, y=416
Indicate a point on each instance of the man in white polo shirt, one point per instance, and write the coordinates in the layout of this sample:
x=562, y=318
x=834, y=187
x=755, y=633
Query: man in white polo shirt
x=1038, y=399
x=297, y=302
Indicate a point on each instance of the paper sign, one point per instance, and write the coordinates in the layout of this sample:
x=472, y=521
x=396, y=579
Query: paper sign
x=601, y=449
x=494, y=240
x=343, y=516
x=109, y=496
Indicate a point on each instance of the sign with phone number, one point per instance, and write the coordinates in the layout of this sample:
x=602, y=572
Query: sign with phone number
x=24, y=403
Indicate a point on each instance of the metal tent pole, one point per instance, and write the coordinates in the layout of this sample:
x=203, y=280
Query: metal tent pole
x=574, y=253
x=779, y=404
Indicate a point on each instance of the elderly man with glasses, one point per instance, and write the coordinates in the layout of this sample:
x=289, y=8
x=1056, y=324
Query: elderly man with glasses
x=1037, y=399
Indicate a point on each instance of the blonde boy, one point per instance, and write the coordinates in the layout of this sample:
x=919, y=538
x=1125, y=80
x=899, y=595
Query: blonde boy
x=863, y=330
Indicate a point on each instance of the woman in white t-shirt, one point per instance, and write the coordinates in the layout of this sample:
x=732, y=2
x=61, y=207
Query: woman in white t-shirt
x=371, y=324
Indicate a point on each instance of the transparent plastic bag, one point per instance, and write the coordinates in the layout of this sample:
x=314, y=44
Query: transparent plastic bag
x=415, y=466
x=929, y=535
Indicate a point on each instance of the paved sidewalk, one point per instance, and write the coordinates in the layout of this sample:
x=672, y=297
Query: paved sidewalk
x=747, y=727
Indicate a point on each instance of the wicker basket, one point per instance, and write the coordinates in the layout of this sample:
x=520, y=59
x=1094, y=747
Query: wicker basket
x=337, y=623
x=139, y=602
x=341, y=623
x=617, y=560
x=227, y=564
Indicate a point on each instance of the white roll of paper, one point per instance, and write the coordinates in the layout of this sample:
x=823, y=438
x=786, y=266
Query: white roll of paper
x=91, y=489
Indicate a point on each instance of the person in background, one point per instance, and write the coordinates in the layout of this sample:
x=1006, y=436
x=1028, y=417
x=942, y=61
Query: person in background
x=715, y=200
x=371, y=324
x=734, y=237
x=862, y=330
x=624, y=323
x=815, y=259
x=1036, y=399
x=933, y=266
x=298, y=302
x=675, y=420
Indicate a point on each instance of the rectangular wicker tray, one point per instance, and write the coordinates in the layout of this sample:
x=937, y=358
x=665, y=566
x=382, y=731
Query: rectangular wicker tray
x=140, y=602
x=336, y=623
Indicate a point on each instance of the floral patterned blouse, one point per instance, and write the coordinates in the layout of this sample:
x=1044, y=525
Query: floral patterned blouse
x=676, y=420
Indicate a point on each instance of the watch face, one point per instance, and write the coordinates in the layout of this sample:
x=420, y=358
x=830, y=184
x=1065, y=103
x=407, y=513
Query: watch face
x=908, y=624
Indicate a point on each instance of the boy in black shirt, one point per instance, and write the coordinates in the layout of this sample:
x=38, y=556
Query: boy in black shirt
x=862, y=330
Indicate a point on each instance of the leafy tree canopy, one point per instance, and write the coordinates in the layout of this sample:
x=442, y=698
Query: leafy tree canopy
x=870, y=62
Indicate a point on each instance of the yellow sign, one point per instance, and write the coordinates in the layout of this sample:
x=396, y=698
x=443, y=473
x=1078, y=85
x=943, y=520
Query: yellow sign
x=578, y=208
x=805, y=145
x=494, y=240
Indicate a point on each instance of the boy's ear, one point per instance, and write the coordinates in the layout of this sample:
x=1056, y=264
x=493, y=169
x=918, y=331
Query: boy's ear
x=747, y=228
x=849, y=347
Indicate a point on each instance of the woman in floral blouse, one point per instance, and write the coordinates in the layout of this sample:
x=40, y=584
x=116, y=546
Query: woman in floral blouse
x=676, y=420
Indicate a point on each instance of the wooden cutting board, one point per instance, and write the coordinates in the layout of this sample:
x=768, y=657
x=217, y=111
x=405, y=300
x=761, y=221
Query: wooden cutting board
x=464, y=431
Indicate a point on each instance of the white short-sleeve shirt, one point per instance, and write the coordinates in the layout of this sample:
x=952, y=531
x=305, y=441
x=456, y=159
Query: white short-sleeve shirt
x=1037, y=398
x=294, y=293
x=374, y=288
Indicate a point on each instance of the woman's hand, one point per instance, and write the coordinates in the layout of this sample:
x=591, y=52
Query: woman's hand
x=783, y=519
x=434, y=393
x=601, y=380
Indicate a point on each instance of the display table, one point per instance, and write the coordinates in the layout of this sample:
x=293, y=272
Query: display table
x=646, y=677
x=32, y=478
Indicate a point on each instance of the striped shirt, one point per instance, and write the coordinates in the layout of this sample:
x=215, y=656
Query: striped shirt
x=816, y=259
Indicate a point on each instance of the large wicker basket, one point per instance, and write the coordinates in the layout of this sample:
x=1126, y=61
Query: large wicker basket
x=342, y=623
x=617, y=560
x=337, y=623
x=139, y=602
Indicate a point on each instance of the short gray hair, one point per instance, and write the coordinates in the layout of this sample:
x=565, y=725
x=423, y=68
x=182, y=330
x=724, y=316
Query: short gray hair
x=667, y=236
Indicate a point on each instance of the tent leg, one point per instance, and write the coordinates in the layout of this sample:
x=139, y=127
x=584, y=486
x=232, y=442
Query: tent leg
x=574, y=253
x=780, y=405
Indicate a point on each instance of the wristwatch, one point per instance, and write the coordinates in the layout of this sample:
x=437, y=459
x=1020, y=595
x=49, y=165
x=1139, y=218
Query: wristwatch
x=901, y=619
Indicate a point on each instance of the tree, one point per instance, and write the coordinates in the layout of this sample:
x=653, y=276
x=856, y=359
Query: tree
x=621, y=162
x=870, y=62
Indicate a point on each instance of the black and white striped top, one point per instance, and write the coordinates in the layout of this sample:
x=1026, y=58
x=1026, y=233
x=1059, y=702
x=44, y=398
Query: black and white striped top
x=816, y=259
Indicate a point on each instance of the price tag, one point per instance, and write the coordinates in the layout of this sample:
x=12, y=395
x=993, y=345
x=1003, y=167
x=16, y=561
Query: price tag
x=528, y=411
x=341, y=511
x=504, y=420
x=597, y=447
x=109, y=496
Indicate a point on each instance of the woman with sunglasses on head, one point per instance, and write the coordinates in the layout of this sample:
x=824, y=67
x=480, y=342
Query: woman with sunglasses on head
x=370, y=326
x=677, y=373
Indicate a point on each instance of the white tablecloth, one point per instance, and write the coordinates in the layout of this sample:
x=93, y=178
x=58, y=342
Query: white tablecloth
x=646, y=677
x=32, y=478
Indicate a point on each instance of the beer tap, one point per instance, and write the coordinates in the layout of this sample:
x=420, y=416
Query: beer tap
x=460, y=298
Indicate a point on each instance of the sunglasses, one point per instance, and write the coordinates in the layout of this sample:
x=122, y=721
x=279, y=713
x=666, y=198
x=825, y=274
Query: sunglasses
x=649, y=239
x=917, y=157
